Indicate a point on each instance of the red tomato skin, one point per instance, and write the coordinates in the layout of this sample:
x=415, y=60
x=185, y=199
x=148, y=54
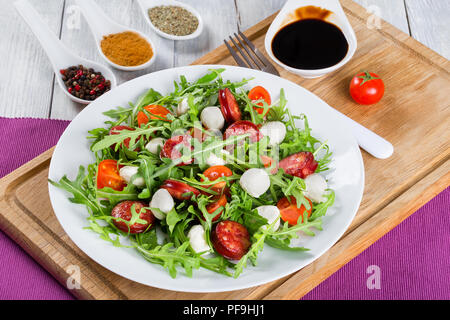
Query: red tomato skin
x=155, y=109
x=178, y=188
x=289, y=211
x=169, y=151
x=216, y=172
x=300, y=164
x=258, y=93
x=267, y=163
x=368, y=93
x=229, y=106
x=242, y=127
x=123, y=210
x=221, y=202
x=230, y=239
x=108, y=175
x=126, y=142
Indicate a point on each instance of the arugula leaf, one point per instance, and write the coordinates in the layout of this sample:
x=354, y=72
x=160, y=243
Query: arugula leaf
x=147, y=240
x=253, y=221
x=280, y=244
x=81, y=194
x=170, y=257
x=321, y=209
x=109, y=140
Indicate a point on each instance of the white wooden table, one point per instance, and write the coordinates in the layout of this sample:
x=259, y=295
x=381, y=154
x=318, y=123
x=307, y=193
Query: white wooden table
x=27, y=84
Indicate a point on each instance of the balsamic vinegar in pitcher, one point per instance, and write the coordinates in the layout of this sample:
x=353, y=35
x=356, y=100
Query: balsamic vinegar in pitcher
x=310, y=44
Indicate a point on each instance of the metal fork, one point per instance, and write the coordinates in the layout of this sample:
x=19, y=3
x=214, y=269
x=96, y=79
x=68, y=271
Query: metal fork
x=254, y=59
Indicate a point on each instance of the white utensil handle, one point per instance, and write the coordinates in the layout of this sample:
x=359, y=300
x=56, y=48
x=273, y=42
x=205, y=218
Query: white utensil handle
x=55, y=50
x=368, y=140
x=97, y=20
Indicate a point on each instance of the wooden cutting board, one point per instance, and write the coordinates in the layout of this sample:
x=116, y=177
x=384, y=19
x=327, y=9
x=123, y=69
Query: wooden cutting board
x=414, y=116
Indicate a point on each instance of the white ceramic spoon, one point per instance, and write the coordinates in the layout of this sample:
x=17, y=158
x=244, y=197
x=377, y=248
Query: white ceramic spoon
x=147, y=4
x=60, y=56
x=101, y=25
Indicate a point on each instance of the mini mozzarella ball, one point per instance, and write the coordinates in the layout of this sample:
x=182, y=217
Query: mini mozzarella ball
x=214, y=160
x=315, y=187
x=275, y=130
x=163, y=201
x=153, y=145
x=255, y=181
x=129, y=171
x=271, y=213
x=182, y=107
x=212, y=118
x=197, y=239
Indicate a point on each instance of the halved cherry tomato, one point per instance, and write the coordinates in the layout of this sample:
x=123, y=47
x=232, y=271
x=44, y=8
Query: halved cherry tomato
x=229, y=106
x=289, y=211
x=108, y=175
x=221, y=202
x=230, y=239
x=180, y=190
x=122, y=210
x=259, y=93
x=268, y=162
x=156, y=112
x=169, y=149
x=117, y=129
x=300, y=164
x=244, y=127
x=366, y=88
x=216, y=172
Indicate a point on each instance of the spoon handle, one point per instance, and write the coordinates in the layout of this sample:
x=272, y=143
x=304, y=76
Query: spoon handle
x=367, y=139
x=99, y=23
x=53, y=47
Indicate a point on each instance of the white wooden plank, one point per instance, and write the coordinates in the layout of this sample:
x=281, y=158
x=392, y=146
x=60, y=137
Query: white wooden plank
x=27, y=76
x=429, y=21
x=82, y=42
x=250, y=12
x=220, y=21
x=393, y=11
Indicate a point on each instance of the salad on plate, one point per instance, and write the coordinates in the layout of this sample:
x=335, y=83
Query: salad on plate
x=204, y=176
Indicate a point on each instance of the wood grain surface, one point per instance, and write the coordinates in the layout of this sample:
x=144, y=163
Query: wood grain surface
x=414, y=115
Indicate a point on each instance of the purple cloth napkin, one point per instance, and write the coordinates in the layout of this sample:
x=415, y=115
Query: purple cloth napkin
x=410, y=262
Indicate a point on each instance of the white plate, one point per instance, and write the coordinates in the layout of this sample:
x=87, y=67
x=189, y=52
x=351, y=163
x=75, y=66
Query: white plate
x=346, y=177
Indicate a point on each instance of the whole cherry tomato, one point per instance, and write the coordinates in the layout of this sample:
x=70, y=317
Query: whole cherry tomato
x=156, y=112
x=108, y=175
x=290, y=212
x=366, y=88
x=260, y=93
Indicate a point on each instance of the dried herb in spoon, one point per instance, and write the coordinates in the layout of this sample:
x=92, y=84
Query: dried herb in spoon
x=173, y=20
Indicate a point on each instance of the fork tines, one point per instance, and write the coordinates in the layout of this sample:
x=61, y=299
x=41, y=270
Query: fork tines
x=251, y=57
